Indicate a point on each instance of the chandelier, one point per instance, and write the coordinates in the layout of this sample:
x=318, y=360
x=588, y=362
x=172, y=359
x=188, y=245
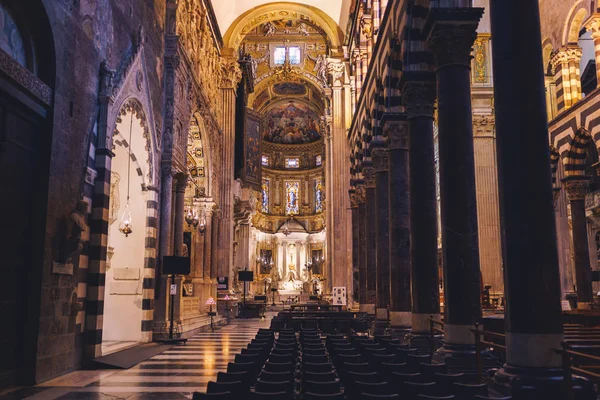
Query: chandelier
x=193, y=219
x=125, y=226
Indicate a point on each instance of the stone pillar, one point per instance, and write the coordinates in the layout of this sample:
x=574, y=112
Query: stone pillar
x=396, y=131
x=230, y=78
x=355, y=247
x=362, y=258
x=451, y=33
x=382, y=230
x=370, y=239
x=208, y=248
x=577, y=188
x=179, y=215
x=418, y=99
x=531, y=275
x=214, y=254
x=243, y=251
x=565, y=65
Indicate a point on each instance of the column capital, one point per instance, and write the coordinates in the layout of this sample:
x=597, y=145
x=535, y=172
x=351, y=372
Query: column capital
x=397, y=134
x=419, y=99
x=230, y=73
x=565, y=54
x=369, y=175
x=593, y=25
x=452, y=32
x=576, y=187
x=380, y=159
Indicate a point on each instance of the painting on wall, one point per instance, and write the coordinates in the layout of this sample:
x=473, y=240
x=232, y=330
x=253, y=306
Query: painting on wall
x=291, y=123
x=252, y=150
x=266, y=257
x=289, y=88
x=317, y=259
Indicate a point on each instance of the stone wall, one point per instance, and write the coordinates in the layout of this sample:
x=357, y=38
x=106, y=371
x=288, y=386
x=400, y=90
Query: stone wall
x=85, y=33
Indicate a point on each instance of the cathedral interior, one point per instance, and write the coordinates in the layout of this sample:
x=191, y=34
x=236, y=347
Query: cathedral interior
x=327, y=199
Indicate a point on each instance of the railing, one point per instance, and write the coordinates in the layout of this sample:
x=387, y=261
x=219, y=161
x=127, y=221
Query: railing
x=479, y=345
x=432, y=332
x=569, y=369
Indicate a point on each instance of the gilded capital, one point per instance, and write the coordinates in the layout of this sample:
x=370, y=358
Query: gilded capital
x=397, y=134
x=369, y=175
x=593, y=25
x=484, y=125
x=564, y=55
x=576, y=187
x=451, y=44
x=380, y=159
x=360, y=194
x=230, y=73
x=419, y=99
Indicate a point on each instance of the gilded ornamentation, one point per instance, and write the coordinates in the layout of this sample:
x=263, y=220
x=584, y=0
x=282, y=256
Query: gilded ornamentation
x=563, y=55
x=419, y=98
x=397, y=134
x=320, y=67
x=593, y=25
x=230, y=73
x=380, y=159
x=366, y=26
x=480, y=56
x=335, y=69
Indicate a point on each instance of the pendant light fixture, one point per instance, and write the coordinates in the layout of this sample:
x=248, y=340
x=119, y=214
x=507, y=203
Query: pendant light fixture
x=125, y=227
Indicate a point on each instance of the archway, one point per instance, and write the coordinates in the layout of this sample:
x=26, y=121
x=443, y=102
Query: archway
x=130, y=171
x=26, y=116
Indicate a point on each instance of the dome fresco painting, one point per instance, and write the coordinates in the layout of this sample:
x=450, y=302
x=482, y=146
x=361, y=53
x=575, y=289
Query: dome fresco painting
x=291, y=123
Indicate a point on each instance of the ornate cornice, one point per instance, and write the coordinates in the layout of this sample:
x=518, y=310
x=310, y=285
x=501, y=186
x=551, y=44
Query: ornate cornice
x=25, y=78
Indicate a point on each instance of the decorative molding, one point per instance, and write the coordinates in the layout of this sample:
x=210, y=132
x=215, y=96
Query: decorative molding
x=397, y=135
x=484, y=125
x=25, y=78
x=576, y=189
x=380, y=159
x=419, y=99
x=230, y=73
x=369, y=175
x=335, y=69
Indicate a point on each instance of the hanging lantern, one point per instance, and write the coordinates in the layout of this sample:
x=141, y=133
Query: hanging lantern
x=189, y=217
x=202, y=222
x=125, y=227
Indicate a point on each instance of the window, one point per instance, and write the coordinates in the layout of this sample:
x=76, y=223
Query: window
x=294, y=55
x=265, y=161
x=291, y=204
x=265, y=196
x=318, y=196
x=292, y=162
x=11, y=40
x=279, y=55
x=318, y=161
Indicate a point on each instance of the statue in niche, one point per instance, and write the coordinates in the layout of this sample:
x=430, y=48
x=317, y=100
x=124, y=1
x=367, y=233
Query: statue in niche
x=115, y=202
x=76, y=225
x=320, y=67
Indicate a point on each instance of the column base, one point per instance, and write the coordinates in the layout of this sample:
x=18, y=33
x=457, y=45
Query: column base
x=584, y=306
x=368, y=308
x=401, y=319
x=534, y=383
x=381, y=314
x=420, y=323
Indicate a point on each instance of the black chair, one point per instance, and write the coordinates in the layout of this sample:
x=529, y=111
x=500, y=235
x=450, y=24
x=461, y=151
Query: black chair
x=249, y=367
x=424, y=396
x=279, y=358
x=314, y=358
x=212, y=396
x=313, y=351
x=273, y=387
x=368, y=396
x=381, y=338
x=351, y=358
x=344, y=350
x=285, y=376
x=355, y=367
x=283, y=352
x=430, y=370
x=386, y=368
x=478, y=397
x=465, y=390
x=380, y=388
x=279, y=367
x=243, y=377
x=319, y=376
x=413, y=360
x=329, y=387
x=316, y=367
x=369, y=377
x=319, y=396
x=401, y=377
x=235, y=388
x=256, y=395
x=413, y=389
x=376, y=359
x=247, y=358
x=402, y=354
x=447, y=380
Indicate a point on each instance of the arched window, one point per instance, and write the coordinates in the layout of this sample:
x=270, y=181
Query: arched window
x=14, y=41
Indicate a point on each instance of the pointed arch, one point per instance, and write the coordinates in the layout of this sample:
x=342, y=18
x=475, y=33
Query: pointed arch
x=575, y=158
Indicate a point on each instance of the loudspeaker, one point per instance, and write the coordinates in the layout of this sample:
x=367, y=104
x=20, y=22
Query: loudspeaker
x=246, y=276
x=173, y=265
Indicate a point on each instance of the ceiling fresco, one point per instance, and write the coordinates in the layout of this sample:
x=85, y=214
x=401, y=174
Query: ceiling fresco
x=291, y=123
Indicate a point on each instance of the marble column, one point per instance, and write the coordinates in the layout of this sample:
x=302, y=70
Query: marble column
x=396, y=131
x=355, y=246
x=531, y=275
x=593, y=25
x=370, y=239
x=215, y=261
x=418, y=98
x=382, y=231
x=451, y=33
x=362, y=259
x=208, y=247
x=243, y=251
x=179, y=215
x=577, y=188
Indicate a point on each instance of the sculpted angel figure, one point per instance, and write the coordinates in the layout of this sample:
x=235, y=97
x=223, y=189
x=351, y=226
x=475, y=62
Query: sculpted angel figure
x=303, y=29
x=320, y=67
x=254, y=62
x=269, y=29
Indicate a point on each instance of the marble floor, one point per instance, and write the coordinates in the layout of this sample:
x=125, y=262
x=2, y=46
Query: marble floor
x=173, y=374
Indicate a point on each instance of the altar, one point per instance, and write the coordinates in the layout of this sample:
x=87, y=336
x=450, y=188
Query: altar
x=287, y=295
